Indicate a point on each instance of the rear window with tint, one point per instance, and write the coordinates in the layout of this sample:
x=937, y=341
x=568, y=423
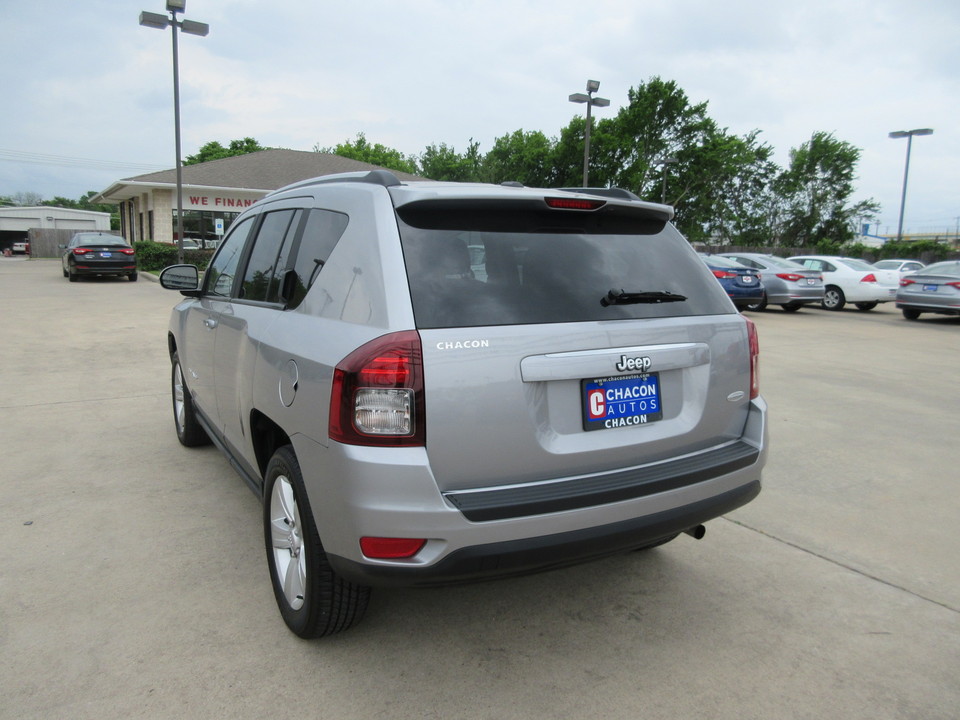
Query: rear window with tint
x=470, y=269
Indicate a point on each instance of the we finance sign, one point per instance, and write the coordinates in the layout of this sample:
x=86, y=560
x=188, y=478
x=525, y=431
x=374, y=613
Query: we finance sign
x=218, y=202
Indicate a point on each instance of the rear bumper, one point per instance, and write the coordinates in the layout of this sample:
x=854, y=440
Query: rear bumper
x=527, y=555
x=516, y=528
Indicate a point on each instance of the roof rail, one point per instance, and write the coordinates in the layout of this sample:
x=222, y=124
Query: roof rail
x=611, y=192
x=374, y=177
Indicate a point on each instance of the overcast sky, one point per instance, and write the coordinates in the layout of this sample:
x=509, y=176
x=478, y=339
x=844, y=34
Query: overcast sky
x=87, y=94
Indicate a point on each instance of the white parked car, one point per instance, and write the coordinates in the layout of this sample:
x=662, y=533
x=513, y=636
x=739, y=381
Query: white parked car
x=851, y=280
x=901, y=266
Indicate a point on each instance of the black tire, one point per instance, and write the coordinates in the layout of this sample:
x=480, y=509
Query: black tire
x=758, y=306
x=72, y=275
x=132, y=276
x=189, y=431
x=910, y=313
x=833, y=298
x=313, y=600
x=792, y=307
x=865, y=306
x=65, y=273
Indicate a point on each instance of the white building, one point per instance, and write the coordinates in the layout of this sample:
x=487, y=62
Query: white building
x=17, y=222
x=215, y=190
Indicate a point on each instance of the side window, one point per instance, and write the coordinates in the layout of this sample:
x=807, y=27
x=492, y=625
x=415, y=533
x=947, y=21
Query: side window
x=223, y=267
x=320, y=236
x=827, y=267
x=268, y=260
x=747, y=262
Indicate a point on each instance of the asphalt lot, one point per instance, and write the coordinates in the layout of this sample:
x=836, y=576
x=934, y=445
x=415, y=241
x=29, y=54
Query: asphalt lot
x=133, y=581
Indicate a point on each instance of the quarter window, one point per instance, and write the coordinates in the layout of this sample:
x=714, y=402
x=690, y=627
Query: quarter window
x=322, y=232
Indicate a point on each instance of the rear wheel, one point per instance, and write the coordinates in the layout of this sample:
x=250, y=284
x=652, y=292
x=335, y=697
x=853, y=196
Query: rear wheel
x=758, y=306
x=833, y=298
x=189, y=431
x=132, y=276
x=864, y=306
x=72, y=275
x=910, y=313
x=792, y=307
x=313, y=600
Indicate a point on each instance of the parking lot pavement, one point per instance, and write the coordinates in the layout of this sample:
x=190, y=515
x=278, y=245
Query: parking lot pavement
x=133, y=580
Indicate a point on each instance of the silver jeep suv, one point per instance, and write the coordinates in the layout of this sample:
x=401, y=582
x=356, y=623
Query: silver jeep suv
x=430, y=383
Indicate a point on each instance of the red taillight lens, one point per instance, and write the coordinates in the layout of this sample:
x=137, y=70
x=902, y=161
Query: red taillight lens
x=869, y=278
x=906, y=281
x=790, y=277
x=377, y=394
x=81, y=251
x=754, y=358
x=574, y=204
x=953, y=285
x=723, y=274
x=128, y=251
x=390, y=548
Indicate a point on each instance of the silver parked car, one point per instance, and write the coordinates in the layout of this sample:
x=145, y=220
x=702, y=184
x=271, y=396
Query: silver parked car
x=429, y=383
x=935, y=289
x=786, y=283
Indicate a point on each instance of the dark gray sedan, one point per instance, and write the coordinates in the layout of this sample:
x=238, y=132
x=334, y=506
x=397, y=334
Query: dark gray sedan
x=786, y=283
x=97, y=253
x=935, y=289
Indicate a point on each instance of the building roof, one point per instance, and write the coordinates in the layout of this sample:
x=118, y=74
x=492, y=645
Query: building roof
x=260, y=171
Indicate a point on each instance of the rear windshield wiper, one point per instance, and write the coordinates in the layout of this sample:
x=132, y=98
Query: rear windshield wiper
x=619, y=297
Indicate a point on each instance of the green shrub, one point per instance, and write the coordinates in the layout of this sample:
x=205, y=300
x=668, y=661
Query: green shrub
x=154, y=257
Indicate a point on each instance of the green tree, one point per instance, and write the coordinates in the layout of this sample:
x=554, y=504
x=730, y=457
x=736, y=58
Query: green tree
x=213, y=150
x=525, y=157
x=376, y=154
x=815, y=193
x=440, y=162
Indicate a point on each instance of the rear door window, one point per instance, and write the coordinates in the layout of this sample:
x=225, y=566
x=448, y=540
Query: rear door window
x=268, y=259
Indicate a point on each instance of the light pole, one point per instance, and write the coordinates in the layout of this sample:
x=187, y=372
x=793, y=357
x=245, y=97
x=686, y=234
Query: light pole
x=908, y=134
x=663, y=162
x=160, y=22
x=591, y=101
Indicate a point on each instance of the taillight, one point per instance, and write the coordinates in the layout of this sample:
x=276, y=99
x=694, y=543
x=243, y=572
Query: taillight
x=754, y=358
x=869, y=278
x=906, y=281
x=390, y=548
x=128, y=251
x=953, y=285
x=81, y=251
x=377, y=395
x=723, y=274
x=791, y=277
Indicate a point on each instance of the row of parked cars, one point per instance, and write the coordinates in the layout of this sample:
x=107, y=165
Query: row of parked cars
x=755, y=280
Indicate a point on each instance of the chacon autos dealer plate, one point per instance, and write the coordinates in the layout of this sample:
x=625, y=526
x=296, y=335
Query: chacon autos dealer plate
x=621, y=401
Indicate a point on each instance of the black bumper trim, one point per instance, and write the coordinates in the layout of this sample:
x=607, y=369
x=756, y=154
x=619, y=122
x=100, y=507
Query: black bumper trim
x=487, y=505
x=529, y=555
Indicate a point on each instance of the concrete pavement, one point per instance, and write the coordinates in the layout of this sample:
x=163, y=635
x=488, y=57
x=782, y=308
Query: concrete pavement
x=133, y=581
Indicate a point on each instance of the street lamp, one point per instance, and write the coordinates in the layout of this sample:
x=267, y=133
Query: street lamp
x=591, y=101
x=161, y=22
x=908, y=134
x=663, y=162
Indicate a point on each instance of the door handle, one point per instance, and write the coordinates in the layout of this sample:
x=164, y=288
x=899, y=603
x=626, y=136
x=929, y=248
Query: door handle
x=210, y=323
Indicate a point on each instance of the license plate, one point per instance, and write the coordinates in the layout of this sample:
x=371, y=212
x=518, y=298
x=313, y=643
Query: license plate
x=930, y=288
x=621, y=401
x=747, y=279
x=811, y=281
x=106, y=255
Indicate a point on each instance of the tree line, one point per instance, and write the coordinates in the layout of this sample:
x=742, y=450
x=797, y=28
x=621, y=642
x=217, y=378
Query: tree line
x=725, y=188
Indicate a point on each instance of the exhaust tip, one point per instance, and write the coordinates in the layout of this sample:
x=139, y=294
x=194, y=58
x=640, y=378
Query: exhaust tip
x=696, y=532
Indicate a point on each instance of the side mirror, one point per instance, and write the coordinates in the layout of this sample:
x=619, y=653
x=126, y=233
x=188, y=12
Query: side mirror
x=185, y=278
